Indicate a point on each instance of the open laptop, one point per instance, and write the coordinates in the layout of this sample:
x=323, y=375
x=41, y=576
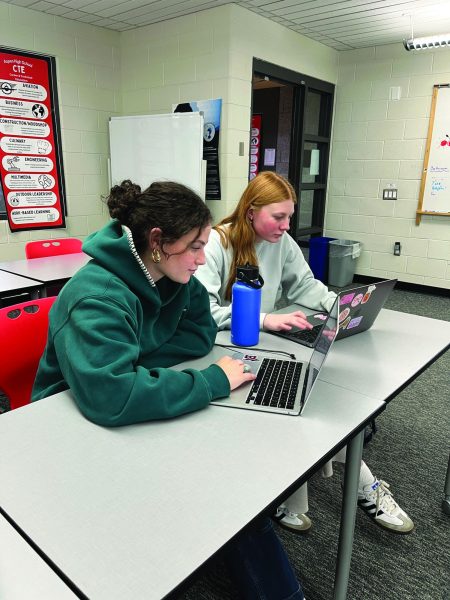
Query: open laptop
x=282, y=386
x=358, y=309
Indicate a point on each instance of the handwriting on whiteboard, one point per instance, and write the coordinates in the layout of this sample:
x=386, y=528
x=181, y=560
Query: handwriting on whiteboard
x=434, y=169
x=437, y=185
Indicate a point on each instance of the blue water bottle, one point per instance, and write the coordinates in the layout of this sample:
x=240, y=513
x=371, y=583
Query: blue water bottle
x=246, y=306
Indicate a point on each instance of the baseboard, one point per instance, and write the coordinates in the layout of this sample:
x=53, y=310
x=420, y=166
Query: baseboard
x=406, y=286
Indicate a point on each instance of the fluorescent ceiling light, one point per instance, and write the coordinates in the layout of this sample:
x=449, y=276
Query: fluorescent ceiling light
x=433, y=41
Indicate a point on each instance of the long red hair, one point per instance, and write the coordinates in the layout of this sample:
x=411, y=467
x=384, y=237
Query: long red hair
x=266, y=188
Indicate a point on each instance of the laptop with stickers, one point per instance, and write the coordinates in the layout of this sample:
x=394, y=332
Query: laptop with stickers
x=282, y=386
x=358, y=309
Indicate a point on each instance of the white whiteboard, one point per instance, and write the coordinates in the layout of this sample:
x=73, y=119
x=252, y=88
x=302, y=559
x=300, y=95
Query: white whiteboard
x=435, y=186
x=149, y=148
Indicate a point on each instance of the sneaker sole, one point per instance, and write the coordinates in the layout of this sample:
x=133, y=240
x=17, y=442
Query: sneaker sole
x=294, y=529
x=386, y=526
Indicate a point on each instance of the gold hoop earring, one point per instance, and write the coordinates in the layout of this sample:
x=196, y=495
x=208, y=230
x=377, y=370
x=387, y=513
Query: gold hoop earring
x=156, y=255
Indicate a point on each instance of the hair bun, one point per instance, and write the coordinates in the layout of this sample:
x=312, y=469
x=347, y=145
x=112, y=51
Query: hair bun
x=123, y=199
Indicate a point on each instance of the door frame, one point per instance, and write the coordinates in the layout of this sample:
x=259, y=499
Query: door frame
x=302, y=85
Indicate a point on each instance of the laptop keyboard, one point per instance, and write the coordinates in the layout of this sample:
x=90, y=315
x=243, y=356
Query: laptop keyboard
x=306, y=335
x=276, y=383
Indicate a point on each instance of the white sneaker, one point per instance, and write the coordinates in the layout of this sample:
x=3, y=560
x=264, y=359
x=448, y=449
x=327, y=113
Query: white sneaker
x=377, y=501
x=299, y=523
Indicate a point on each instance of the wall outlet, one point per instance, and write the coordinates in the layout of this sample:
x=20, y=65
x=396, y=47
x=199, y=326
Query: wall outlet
x=395, y=92
x=397, y=249
x=390, y=194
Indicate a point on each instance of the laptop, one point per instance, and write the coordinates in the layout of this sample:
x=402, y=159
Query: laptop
x=282, y=386
x=358, y=309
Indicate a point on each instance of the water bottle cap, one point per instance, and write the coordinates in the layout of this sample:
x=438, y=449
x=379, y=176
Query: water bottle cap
x=247, y=272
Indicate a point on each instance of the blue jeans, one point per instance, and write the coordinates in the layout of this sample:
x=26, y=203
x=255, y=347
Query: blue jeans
x=259, y=566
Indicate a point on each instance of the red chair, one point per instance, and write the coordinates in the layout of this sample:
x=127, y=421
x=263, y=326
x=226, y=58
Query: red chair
x=23, y=329
x=43, y=248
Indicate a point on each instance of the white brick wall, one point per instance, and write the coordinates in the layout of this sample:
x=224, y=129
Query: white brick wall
x=382, y=150
x=102, y=73
x=210, y=55
x=88, y=77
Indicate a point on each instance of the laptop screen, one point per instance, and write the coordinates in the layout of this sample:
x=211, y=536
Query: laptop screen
x=322, y=347
x=359, y=307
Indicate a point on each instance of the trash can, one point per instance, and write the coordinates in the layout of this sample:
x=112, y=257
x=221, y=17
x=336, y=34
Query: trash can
x=318, y=257
x=342, y=261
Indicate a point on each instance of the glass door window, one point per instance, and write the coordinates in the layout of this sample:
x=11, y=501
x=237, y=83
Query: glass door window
x=302, y=117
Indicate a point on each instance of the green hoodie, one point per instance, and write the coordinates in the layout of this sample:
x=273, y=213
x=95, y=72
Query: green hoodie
x=112, y=336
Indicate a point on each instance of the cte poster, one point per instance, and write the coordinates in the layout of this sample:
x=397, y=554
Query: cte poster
x=31, y=173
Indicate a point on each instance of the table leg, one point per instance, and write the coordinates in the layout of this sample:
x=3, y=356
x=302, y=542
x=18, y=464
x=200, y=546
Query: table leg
x=351, y=479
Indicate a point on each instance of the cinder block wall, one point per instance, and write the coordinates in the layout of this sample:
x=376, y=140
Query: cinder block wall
x=379, y=141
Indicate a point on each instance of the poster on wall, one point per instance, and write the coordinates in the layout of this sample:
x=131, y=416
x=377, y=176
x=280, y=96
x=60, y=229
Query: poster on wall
x=211, y=110
x=255, y=146
x=31, y=172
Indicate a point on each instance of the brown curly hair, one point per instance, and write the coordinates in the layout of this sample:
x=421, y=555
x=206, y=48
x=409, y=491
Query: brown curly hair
x=173, y=207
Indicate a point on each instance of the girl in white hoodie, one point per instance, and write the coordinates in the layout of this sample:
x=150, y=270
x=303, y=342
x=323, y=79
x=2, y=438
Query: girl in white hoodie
x=256, y=233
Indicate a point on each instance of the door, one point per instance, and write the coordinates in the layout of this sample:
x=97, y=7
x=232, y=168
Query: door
x=295, y=127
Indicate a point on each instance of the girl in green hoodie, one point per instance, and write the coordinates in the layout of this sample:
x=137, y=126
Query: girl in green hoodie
x=133, y=311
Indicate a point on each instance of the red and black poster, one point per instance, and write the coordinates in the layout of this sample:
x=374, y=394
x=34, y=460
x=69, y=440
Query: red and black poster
x=255, y=146
x=31, y=173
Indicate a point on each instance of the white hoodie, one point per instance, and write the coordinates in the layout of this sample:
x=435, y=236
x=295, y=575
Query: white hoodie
x=287, y=276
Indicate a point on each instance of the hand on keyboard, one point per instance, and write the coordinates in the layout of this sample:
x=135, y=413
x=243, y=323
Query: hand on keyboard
x=286, y=322
x=234, y=370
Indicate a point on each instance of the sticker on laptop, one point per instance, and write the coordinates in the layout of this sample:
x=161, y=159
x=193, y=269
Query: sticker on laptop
x=354, y=322
x=250, y=357
x=356, y=300
x=344, y=314
x=344, y=324
x=370, y=289
x=320, y=316
x=343, y=300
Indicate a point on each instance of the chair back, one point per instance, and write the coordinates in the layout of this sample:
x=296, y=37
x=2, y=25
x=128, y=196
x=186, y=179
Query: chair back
x=43, y=248
x=24, y=330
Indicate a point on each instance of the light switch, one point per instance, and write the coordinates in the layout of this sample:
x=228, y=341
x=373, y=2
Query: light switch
x=390, y=194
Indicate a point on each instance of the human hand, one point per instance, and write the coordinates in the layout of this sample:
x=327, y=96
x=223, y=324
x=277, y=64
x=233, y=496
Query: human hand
x=274, y=322
x=234, y=370
x=329, y=333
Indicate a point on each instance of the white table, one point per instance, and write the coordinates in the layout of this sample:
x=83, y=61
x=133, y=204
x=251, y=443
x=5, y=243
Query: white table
x=47, y=270
x=385, y=359
x=23, y=573
x=12, y=284
x=382, y=361
x=127, y=512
